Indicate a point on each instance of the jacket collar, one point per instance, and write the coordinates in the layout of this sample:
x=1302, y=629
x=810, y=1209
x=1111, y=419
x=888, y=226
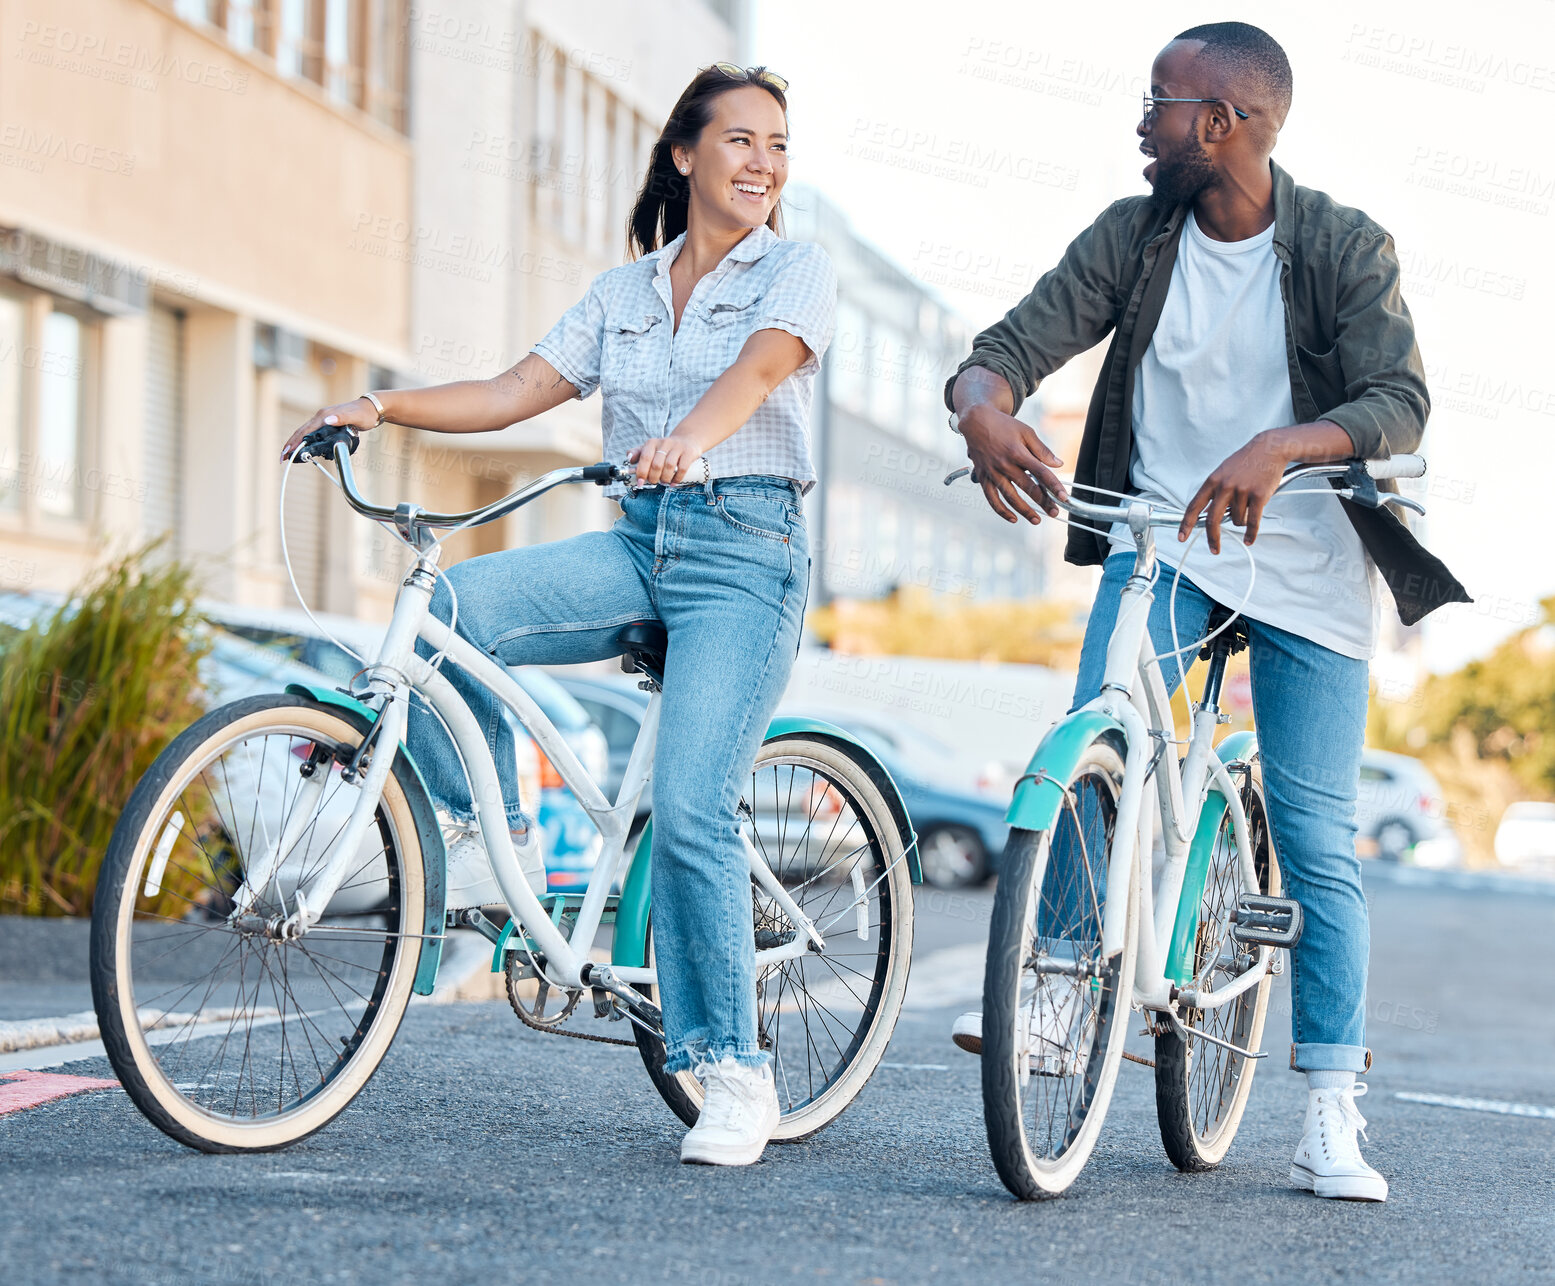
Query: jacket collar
x=1284, y=214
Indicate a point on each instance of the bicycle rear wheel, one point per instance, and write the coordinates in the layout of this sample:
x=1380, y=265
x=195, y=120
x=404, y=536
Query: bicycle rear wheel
x=1201, y=1089
x=819, y=817
x=1055, y=1009
x=228, y=1037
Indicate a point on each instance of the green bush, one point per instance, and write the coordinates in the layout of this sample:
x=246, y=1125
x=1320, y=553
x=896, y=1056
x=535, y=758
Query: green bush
x=90, y=696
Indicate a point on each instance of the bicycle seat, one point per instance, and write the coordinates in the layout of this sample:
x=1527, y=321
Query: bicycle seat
x=643, y=646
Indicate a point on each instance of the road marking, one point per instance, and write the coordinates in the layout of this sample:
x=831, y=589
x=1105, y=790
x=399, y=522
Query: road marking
x=21, y=1090
x=1478, y=1104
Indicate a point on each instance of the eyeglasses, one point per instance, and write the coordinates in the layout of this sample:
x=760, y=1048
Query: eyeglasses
x=750, y=74
x=1151, y=103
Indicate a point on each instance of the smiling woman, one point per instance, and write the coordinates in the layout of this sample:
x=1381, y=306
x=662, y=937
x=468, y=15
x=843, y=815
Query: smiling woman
x=705, y=350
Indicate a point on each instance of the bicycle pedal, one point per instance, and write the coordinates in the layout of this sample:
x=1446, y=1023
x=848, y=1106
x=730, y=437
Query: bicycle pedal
x=1266, y=921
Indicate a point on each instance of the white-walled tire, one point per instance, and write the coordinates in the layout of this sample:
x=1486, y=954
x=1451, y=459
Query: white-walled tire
x=863, y=844
x=183, y=992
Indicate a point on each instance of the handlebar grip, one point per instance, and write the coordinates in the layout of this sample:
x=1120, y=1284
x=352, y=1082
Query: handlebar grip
x=320, y=443
x=600, y=473
x=1397, y=466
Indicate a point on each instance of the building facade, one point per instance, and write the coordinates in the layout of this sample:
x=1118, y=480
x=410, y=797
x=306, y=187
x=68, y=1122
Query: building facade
x=217, y=216
x=882, y=517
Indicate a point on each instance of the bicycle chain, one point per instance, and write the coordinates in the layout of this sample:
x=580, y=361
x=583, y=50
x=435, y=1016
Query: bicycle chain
x=552, y=1029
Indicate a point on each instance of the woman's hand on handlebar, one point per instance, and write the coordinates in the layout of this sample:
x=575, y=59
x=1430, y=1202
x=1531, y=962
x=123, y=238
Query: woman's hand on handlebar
x=359, y=413
x=663, y=460
x=1010, y=459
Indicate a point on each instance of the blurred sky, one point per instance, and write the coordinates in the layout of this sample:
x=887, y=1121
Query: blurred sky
x=973, y=140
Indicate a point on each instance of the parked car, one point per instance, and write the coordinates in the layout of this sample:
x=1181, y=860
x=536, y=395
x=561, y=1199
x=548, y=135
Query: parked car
x=1526, y=835
x=1401, y=814
x=961, y=829
x=572, y=842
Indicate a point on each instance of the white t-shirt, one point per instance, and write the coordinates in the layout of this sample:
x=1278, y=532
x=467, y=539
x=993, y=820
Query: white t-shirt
x=1214, y=377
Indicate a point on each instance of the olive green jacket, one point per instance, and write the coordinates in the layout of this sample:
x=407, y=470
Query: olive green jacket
x=1349, y=343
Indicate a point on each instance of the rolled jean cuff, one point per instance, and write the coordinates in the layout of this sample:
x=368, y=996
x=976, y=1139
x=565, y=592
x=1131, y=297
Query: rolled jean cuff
x=1330, y=1058
x=693, y=1053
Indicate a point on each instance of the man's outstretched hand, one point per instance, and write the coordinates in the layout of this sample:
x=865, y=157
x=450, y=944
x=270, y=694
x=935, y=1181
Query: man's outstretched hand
x=1012, y=463
x=1246, y=479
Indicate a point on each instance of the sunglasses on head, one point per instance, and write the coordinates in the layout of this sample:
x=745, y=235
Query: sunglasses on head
x=750, y=74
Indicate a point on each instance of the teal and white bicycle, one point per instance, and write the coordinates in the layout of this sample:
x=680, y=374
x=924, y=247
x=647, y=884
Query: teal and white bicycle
x=273, y=894
x=1086, y=926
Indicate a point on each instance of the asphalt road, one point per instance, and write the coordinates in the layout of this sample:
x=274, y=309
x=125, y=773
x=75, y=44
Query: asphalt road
x=486, y=1152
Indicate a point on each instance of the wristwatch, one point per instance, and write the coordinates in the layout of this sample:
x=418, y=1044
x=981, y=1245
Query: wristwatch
x=379, y=405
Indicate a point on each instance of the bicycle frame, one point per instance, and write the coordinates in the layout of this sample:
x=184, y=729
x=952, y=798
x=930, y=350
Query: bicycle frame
x=390, y=677
x=1134, y=695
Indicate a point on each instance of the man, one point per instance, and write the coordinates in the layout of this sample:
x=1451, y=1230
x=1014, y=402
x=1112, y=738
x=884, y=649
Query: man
x=1255, y=324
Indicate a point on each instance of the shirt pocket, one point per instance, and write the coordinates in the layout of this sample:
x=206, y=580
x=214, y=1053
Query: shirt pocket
x=726, y=325
x=1324, y=376
x=629, y=358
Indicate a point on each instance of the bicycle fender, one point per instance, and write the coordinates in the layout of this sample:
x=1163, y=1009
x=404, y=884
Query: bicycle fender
x=434, y=855
x=1040, y=790
x=630, y=946
x=1239, y=747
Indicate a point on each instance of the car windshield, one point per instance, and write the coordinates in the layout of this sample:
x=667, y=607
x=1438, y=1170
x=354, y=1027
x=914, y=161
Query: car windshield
x=559, y=705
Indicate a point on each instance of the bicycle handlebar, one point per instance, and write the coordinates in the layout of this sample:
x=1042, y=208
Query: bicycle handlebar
x=1396, y=466
x=1359, y=478
x=338, y=443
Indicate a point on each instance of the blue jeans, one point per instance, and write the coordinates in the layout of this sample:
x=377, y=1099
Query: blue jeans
x=1309, y=706
x=726, y=568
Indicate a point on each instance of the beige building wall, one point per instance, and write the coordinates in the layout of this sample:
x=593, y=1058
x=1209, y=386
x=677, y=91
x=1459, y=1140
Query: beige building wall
x=151, y=167
x=281, y=231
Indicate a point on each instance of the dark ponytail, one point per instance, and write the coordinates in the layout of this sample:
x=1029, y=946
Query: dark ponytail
x=659, y=214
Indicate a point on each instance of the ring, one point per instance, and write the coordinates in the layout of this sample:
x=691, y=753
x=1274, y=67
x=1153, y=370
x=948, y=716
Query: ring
x=660, y=451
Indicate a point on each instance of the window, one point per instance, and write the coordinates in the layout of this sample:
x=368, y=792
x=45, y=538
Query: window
x=13, y=330
x=341, y=77
x=45, y=354
x=846, y=359
x=294, y=51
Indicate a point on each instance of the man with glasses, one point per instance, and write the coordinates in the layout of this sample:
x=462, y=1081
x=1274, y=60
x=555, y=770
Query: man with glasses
x=1254, y=324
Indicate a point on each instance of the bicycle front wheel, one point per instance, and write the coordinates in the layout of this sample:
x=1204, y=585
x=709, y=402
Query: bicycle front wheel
x=227, y=1036
x=1055, y=1008
x=816, y=811
x=1201, y=1088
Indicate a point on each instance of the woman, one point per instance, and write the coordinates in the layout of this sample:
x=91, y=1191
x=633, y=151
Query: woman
x=707, y=345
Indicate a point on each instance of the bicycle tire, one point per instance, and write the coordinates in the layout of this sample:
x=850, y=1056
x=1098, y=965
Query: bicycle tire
x=881, y=850
x=1032, y=1164
x=182, y=875
x=1201, y=1090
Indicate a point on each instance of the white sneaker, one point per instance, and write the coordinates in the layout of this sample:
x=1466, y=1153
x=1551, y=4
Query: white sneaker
x=1328, y=1159
x=1052, y=1045
x=739, y=1113
x=470, y=881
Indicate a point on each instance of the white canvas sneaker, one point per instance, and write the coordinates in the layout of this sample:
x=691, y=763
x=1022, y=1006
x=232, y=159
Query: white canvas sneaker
x=739, y=1113
x=470, y=881
x=1053, y=1045
x=1328, y=1159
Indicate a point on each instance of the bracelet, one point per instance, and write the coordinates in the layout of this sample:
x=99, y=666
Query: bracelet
x=955, y=424
x=376, y=403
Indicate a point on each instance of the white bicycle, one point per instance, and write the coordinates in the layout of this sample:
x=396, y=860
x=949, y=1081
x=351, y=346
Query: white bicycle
x=1081, y=932
x=274, y=891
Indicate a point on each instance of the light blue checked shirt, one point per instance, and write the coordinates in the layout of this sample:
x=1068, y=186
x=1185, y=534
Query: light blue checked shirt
x=618, y=338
